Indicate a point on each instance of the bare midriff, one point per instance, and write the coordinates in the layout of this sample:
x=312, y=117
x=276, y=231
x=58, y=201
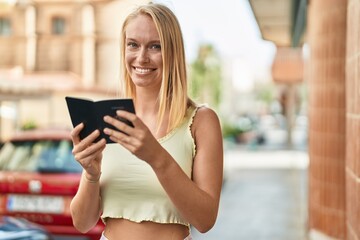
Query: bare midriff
x=122, y=229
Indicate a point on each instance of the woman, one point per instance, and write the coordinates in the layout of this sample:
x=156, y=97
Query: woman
x=165, y=173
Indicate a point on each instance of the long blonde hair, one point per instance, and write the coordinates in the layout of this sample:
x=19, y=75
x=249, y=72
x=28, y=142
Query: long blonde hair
x=173, y=92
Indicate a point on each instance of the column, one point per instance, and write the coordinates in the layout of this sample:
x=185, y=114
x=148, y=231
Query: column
x=30, y=34
x=353, y=121
x=88, y=46
x=327, y=136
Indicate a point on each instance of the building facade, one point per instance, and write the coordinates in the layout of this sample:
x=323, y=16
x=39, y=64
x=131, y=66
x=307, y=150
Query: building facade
x=43, y=42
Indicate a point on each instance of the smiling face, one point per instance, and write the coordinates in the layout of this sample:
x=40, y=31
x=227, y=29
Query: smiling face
x=143, y=52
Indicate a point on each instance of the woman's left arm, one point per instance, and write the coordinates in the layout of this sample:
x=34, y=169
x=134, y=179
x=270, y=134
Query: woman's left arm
x=196, y=199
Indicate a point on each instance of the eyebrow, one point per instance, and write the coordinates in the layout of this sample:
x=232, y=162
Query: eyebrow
x=134, y=40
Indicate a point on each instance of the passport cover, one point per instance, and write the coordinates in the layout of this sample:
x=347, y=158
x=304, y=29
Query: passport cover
x=92, y=113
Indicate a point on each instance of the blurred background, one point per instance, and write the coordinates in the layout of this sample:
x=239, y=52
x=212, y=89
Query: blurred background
x=283, y=76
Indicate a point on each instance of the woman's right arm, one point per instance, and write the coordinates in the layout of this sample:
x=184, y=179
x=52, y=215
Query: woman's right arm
x=85, y=207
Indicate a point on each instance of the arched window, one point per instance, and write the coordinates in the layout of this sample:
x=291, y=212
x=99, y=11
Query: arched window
x=5, y=26
x=58, y=26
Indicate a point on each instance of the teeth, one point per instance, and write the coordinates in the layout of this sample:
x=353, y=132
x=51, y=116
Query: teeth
x=142, y=70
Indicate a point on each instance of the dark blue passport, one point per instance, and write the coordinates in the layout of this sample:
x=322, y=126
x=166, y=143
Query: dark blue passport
x=92, y=113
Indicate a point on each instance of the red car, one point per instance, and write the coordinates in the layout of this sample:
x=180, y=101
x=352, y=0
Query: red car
x=38, y=178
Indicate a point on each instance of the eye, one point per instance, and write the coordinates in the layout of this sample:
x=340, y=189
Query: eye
x=131, y=44
x=155, y=46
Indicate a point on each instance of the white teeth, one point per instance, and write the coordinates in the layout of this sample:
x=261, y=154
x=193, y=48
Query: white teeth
x=142, y=70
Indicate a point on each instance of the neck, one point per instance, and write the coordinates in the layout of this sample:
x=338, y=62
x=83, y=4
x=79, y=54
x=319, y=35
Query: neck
x=146, y=103
x=147, y=109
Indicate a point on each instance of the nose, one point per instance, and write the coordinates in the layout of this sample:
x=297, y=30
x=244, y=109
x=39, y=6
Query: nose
x=144, y=55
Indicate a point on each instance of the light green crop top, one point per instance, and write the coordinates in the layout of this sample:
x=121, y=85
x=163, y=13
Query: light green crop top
x=129, y=186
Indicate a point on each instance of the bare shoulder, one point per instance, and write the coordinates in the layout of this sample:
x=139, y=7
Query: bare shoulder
x=206, y=117
x=205, y=113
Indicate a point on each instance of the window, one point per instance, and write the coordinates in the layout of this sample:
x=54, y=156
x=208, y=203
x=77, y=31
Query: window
x=45, y=156
x=5, y=26
x=58, y=26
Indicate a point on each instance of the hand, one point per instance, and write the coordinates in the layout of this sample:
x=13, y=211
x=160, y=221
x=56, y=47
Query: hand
x=88, y=153
x=138, y=139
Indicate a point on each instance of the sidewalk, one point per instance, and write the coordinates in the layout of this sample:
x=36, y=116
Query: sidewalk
x=264, y=196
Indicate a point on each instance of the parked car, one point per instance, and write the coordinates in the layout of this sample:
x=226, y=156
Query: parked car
x=13, y=228
x=38, y=178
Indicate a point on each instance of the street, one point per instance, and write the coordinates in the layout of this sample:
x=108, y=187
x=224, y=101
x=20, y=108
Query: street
x=264, y=197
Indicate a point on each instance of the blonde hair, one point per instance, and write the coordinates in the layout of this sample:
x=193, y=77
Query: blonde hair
x=173, y=92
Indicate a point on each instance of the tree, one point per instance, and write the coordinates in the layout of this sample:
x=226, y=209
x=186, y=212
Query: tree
x=205, y=76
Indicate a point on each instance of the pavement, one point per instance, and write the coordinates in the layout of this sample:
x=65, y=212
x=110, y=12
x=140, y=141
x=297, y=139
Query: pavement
x=264, y=195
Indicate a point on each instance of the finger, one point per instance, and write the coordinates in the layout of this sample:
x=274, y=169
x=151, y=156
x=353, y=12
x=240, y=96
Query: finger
x=89, y=140
x=90, y=160
x=75, y=133
x=130, y=117
x=119, y=125
x=119, y=136
x=91, y=151
x=125, y=143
